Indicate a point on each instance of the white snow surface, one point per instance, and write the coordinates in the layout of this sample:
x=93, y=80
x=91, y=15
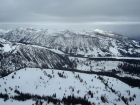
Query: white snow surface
x=37, y=81
x=7, y=46
x=103, y=32
x=53, y=50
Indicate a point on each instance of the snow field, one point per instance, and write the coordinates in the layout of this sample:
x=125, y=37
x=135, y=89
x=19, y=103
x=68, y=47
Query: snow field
x=47, y=82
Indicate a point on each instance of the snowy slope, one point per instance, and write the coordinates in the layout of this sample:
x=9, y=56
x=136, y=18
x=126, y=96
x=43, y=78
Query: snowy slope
x=48, y=82
x=6, y=45
x=14, y=56
x=93, y=43
x=53, y=50
x=19, y=56
x=112, y=65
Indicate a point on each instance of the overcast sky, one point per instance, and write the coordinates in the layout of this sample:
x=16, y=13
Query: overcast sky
x=122, y=16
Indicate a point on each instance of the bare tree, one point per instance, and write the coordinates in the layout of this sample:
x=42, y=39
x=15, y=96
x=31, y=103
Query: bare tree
x=1, y=56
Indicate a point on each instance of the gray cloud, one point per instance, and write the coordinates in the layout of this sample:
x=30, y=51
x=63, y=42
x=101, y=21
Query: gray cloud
x=77, y=13
x=69, y=10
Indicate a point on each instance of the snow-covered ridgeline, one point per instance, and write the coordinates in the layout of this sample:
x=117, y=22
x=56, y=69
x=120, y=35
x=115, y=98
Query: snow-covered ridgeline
x=17, y=56
x=93, y=43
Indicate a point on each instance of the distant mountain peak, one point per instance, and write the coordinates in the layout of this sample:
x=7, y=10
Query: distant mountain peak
x=91, y=43
x=101, y=32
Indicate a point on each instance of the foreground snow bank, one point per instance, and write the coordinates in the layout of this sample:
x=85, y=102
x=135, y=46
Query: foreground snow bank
x=64, y=83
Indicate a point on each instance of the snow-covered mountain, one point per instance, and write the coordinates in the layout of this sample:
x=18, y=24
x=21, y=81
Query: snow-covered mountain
x=93, y=43
x=14, y=56
x=66, y=67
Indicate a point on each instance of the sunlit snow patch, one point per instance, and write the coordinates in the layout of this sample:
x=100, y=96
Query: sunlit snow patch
x=8, y=48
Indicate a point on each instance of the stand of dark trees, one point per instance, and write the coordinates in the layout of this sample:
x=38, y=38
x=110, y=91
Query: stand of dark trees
x=66, y=100
x=4, y=73
x=130, y=68
x=131, y=61
x=4, y=96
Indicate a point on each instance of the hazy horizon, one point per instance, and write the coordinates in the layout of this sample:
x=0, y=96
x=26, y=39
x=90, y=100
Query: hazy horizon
x=131, y=31
x=123, y=17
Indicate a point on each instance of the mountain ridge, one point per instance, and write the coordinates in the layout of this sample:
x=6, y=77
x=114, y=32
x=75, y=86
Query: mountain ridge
x=14, y=56
x=96, y=43
x=68, y=67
